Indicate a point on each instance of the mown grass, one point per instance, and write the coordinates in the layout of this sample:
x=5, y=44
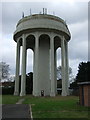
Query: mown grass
x=10, y=99
x=56, y=107
x=0, y=99
x=51, y=107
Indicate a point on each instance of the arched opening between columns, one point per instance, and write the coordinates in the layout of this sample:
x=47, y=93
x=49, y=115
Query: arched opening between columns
x=30, y=45
x=64, y=66
x=30, y=41
x=59, y=75
x=20, y=64
x=57, y=50
x=29, y=72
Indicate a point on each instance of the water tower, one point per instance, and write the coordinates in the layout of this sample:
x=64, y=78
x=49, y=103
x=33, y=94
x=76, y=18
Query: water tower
x=43, y=33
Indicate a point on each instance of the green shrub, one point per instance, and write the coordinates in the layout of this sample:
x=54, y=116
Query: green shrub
x=7, y=90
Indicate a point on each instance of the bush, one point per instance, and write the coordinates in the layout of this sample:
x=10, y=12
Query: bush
x=7, y=90
x=74, y=92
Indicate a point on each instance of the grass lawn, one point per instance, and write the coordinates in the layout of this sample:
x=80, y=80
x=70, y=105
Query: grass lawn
x=0, y=99
x=9, y=99
x=56, y=107
x=51, y=107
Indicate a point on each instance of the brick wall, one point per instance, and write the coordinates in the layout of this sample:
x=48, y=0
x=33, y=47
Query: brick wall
x=84, y=95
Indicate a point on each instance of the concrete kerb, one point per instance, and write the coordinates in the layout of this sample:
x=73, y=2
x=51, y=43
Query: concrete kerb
x=31, y=112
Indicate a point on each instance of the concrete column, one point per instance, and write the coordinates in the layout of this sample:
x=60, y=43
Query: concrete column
x=33, y=71
x=64, y=85
x=67, y=67
x=36, y=64
x=23, y=76
x=55, y=67
x=53, y=90
x=16, y=90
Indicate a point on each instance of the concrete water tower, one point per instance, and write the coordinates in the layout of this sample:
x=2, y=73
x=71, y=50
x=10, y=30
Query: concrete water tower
x=43, y=34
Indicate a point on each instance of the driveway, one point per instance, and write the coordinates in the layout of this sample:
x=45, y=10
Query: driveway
x=19, y=111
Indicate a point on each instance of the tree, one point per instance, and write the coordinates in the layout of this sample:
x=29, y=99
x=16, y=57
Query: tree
x=4, y=71
x=83, y=72
x=59, y=72
x=59, y=77
x=29, y=83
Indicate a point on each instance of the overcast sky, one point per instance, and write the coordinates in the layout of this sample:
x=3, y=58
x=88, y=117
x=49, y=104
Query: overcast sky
x=74, y=13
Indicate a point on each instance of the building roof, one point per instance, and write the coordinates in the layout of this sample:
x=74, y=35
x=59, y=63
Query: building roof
x=84, y=83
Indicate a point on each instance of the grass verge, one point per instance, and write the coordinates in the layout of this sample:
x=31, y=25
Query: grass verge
x=10, y=99
x=56, y=107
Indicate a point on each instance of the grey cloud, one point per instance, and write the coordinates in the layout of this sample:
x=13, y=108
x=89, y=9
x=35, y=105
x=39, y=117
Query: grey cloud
x=79, y=51
x=11, y=12
x=72, y=13
x=79, y=30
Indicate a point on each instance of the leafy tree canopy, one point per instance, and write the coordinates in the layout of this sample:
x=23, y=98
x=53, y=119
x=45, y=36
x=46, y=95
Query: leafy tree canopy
x=29, y=83
x=83, y=72
x=59, y=69
x=4, y=70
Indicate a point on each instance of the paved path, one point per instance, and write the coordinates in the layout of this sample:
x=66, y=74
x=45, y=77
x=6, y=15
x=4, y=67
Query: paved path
x=16, y=111
x=20, y=101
